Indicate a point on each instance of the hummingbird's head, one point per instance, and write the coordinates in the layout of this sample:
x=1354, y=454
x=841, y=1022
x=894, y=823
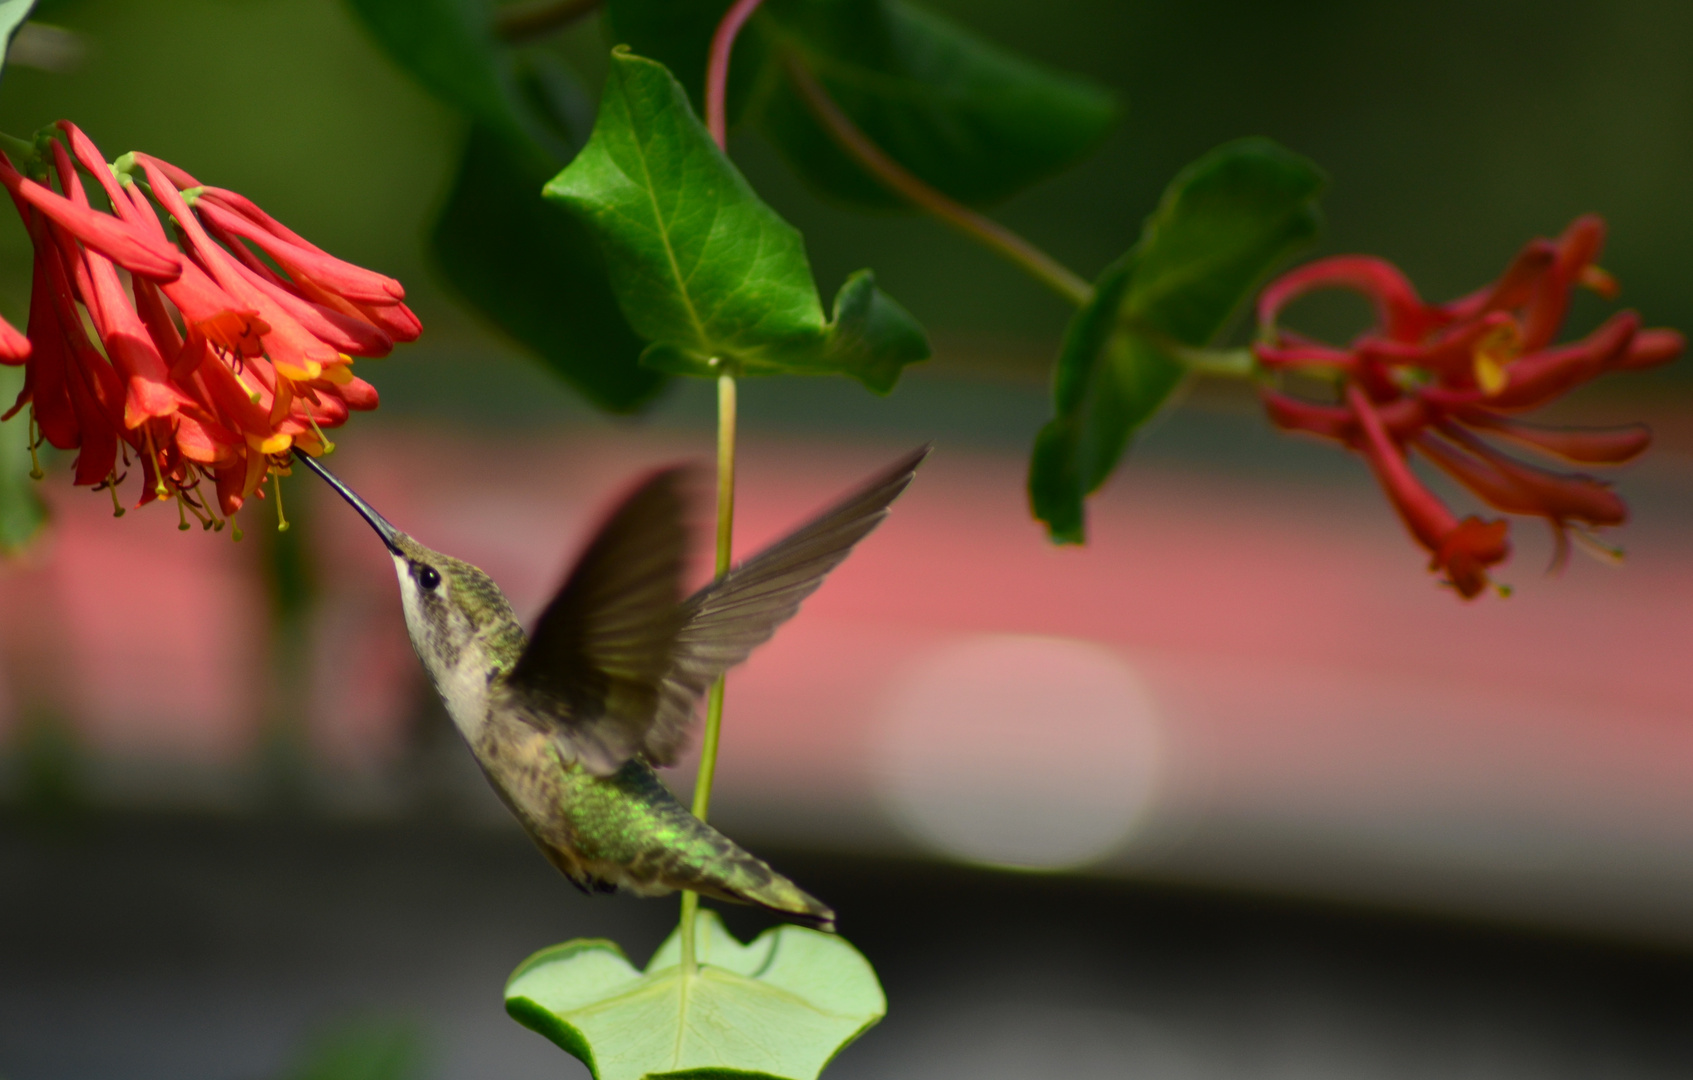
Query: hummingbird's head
x=453, y=609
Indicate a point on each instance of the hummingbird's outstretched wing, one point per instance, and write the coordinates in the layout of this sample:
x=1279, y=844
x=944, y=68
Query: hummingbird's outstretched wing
x=594, y=667
x=727, y=619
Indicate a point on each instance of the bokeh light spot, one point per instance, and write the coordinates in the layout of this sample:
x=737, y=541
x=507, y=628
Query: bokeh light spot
x=1031, y=752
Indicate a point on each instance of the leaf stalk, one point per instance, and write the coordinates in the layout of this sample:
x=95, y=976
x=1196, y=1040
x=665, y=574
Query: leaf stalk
x=902, y=182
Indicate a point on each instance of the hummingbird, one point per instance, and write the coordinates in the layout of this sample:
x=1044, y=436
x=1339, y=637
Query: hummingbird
x=569, y=722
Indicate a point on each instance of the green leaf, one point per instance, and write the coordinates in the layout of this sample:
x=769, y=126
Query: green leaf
x=677, y=33
x=450, y=47
x=967, y=117
x=21, y=512
x=531, y=268
x=702, y=268
x=782, y=1006
x=1223, y=223
x=13, y=15
x=525, y=265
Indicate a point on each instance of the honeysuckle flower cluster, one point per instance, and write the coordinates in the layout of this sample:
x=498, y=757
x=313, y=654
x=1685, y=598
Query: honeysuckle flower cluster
x=1433, y=379
x=218, y=348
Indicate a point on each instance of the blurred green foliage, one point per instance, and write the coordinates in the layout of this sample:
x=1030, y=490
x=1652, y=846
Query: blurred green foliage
x=362, y=1048
x=1452, y=131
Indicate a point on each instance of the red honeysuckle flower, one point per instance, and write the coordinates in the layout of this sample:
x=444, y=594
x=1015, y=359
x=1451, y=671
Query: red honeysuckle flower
x=213, y=363
x=1431, y=378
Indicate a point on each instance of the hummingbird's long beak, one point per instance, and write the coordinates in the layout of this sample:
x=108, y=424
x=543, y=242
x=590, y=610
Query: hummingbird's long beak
x=389, y=534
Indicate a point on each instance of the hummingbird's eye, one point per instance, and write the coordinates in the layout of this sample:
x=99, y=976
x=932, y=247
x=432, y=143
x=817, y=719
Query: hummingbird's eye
x=428, y=577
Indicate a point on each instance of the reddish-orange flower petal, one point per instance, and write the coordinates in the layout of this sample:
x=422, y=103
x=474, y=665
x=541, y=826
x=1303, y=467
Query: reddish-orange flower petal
x=108, y=235
x=54, y=413
x=14, y=346
x=1400, y=311
x=297, y=354
x=335, y=275
x=1651, y=348
x=1517, y=487
x=1463, y=550
x=1593, y=446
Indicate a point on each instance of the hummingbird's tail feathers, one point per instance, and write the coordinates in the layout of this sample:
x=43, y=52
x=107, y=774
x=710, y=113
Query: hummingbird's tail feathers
x=602, y=647
x=630, y=832
x=738, y=612
x=752, y=881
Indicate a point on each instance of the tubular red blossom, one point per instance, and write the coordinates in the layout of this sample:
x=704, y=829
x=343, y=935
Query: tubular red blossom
x=1462, y=549
x=1402, y=418
x=355, y=283
x=105, y=234
x=216, y=363
x=45, y=384
x=1516, y=487
x=340, y=332
x=1514, y=289
x=1401, y=312
x=14, y=347
x=1590, y=446
x=395, y=320
x=1576, y=249
x=290, y=347
x=1538, y=378
x=1451, y=354
x=1651, y=348
x=1429, y=378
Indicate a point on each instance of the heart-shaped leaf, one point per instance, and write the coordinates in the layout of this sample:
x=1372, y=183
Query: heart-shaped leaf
x=1223, y=223
x=782, y=1006
x=974, y=120
x=702, y=268
x=21, y=511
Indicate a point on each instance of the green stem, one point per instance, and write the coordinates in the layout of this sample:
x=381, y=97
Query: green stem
x=902, y=182
x=22, y=149
x=714, y=700
x=1224, y=363
x=524, y=22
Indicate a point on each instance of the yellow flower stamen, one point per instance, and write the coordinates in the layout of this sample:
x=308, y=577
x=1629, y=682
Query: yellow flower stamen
x=1600, y=281
x=252, y=395
x=328, y=447
x=111, y=486
x=1497, y=348
x=159, y=489
x=1597, y=548
x=275, y=444
x=181, y=514
x=281, y=521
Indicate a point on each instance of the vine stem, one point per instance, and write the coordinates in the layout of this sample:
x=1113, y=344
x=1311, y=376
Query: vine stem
x=902, y=182
x=717, y=69
x=716, y=93
x=714, y=700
